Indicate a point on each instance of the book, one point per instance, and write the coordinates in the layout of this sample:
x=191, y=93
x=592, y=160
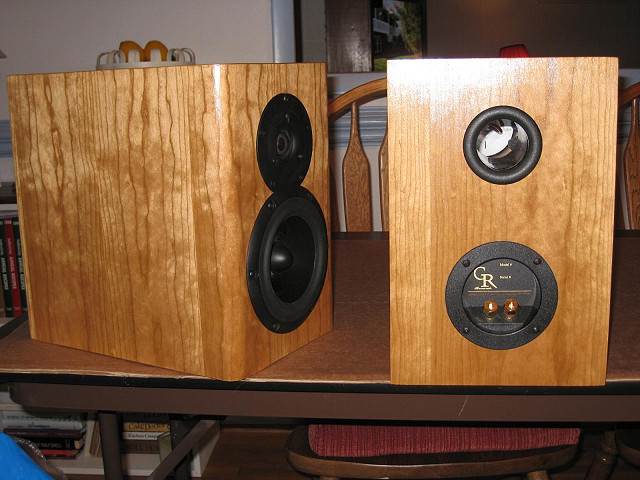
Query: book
x=51, y=443
x=140, y=446
x=62, y=421
x=133, y=426
x=36, y=433
x=19, y=263
x=4, y=272
x=55, y=453
x=12, y=264
x=141, y=435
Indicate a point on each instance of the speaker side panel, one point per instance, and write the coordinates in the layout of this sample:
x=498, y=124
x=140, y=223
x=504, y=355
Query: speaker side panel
x=103, y=177
x=228, y=195
x=440, y=210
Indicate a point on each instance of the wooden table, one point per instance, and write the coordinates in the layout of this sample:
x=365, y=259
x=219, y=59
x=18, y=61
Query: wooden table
x=342, y=375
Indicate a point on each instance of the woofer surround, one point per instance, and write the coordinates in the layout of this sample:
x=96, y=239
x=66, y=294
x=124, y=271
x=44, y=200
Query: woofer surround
x=287, y=259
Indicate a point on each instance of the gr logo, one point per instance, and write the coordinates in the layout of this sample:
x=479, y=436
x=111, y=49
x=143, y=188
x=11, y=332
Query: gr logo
x=486, y=279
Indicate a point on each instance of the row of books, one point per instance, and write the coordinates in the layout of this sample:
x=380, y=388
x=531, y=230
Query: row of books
x=145, y=433
x=57, y=435
x=14, y=296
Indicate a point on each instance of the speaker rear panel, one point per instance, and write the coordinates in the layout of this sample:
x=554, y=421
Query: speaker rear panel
x=137, y=201
x=440, y=210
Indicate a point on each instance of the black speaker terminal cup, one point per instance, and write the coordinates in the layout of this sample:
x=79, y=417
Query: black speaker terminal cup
x=287, y=257
x=501, y=295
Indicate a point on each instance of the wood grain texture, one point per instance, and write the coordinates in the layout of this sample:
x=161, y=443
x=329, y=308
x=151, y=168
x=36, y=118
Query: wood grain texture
x=356, y=181
x=631, y=165
x=439, y=210
x=138, y=190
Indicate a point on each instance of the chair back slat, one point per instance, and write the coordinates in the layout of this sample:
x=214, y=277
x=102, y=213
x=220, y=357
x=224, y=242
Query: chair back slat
x=356, y=181
x=383, y=172
x=356, y=173
x=631, y=163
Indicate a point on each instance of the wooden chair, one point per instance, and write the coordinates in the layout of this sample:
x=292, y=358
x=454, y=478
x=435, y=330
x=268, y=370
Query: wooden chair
x=356, y=174
x=532, y=462
x=628, y=445
x=631, y=155
x=389, y=464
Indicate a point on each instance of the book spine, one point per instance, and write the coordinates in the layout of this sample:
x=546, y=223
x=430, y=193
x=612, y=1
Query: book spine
x=141, y=435
x=145, y=427
x=20, y=264
x=34, y=433
x=139, y=446
x=57, y=443
x=55, y=453
x=23, y=420
x=4, y=271
x=13, y=266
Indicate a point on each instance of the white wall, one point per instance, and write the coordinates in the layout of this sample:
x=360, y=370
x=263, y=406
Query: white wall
x=67, y=35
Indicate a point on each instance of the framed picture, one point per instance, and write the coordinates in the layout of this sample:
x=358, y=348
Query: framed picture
x=398, y=30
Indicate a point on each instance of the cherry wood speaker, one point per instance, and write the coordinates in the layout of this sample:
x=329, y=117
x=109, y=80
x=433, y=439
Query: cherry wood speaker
x=501, y=197
x=176, y=216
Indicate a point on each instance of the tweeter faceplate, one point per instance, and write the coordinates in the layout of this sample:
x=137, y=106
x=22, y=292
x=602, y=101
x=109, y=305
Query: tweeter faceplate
x=287, y=259
x=501, y=295
x=284, y=142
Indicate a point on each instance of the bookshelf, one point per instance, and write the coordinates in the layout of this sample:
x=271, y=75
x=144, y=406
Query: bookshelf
x=134, y=464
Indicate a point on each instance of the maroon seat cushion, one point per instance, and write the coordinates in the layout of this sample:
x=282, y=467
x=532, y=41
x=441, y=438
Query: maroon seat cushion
x=370, y=441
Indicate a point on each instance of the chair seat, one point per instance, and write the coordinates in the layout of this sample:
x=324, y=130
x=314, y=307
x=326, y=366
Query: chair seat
x=424, y=465
x=329, y=440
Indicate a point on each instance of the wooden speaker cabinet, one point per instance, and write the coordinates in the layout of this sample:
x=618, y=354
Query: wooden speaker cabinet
x=501, y=183
x=176, y=216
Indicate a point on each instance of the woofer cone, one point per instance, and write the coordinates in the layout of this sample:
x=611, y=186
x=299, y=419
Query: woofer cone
x=287, y=259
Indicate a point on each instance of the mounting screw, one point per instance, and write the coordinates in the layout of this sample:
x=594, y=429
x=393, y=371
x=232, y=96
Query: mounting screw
x=537, y=261
x=536, y=330
x=273, y=184
x=271, y=205
x=466, y=330
x=285, y=98
x=275, y=327
x=466, y=263
x=252, y=274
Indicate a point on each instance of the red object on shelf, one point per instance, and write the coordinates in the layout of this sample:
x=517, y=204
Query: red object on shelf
x=514, y=51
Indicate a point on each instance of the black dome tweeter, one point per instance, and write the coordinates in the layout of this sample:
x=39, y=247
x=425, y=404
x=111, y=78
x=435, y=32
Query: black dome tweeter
x=287, y=259
x=284, y=143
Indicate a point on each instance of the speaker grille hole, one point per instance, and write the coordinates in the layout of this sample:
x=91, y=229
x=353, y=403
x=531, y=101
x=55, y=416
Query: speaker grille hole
x=502, y=145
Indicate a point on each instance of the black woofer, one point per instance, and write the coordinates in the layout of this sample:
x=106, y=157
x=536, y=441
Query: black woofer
x=287, y=259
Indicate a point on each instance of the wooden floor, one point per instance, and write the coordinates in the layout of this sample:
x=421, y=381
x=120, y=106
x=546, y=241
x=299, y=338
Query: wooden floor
x=256, y=453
